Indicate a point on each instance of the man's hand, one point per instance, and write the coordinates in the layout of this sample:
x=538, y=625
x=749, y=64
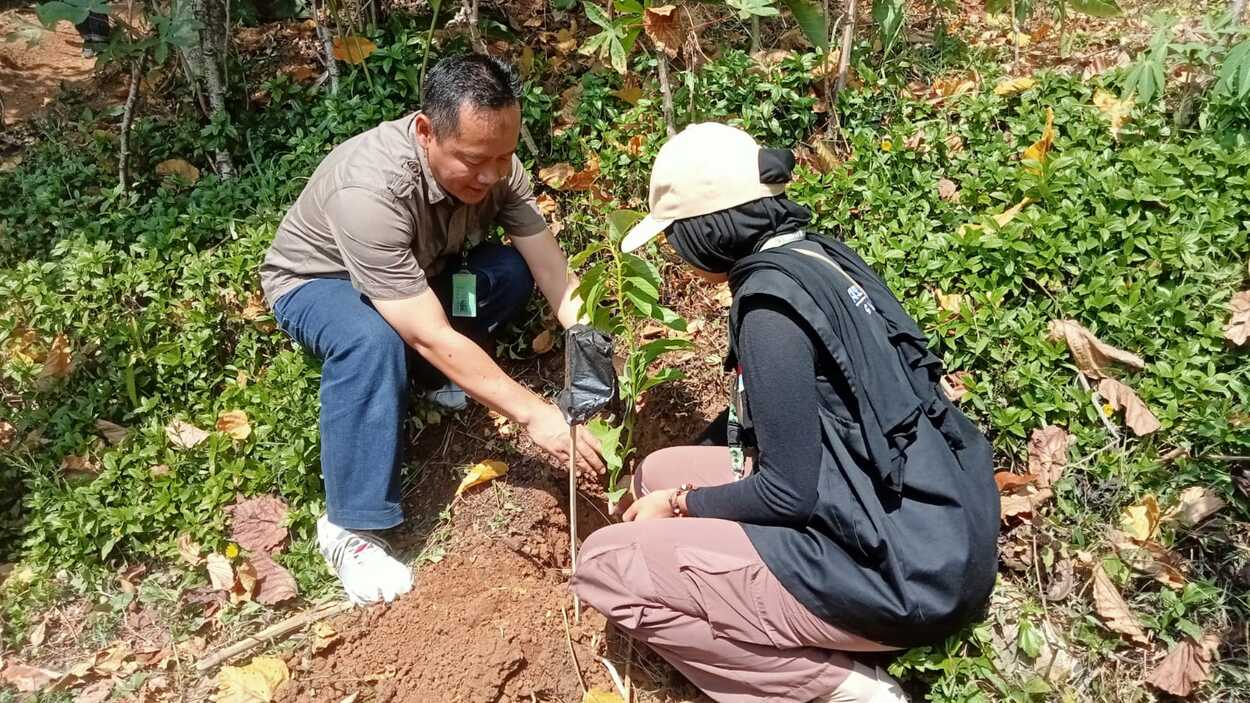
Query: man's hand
x=549, y=430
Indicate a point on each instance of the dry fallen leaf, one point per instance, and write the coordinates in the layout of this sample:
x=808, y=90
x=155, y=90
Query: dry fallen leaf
x=1008, y=482
x=257, y=682
x=1012, y=86
x=97, y=692
x=955, y=385
x=724, y=296
x=353, y=49
x=1194, y=505
x=1141, y=520
x=1186, y=666
x=324, y=637
x=1237, y=330
x=38, y=633
x=245, y=581
x=1041, y=148
x=547, y=205
x=8, y=433
x=220, y=573
x=1092, y=355
x=950, y=302
x=599, y=695
x=115, y=660
x=184, y=435
x=257, y=524
x=57, y=364
x=1048, y=454
x=1114, y=109
x=543, y=342
x=1025, y=500
x=630, y=92
x=1150, y=558
x=556, y=175
x=481, y=473
x=80, y=465
x=189, y=550
x=1110, y=606
x=947, y=190
x=27, y=679
x=235, y=424
x=1136, y=415
x=664, y=26
x=274, y=583
x=180, y=168
x=113, y=433
x=159, y=470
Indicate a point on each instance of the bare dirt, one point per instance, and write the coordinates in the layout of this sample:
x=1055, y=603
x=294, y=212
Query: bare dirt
x=31, y=76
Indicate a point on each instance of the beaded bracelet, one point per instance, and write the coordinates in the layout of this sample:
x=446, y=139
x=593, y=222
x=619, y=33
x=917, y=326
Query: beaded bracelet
x=672, y=499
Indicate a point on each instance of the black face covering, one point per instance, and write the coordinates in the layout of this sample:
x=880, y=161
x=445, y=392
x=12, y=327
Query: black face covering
x=715, y=241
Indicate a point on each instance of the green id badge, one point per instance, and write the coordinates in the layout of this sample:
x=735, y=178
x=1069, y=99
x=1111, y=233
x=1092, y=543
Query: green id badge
x=464, y=294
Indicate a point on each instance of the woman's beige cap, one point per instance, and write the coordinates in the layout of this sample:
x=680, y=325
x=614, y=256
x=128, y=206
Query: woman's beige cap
x=706, y=168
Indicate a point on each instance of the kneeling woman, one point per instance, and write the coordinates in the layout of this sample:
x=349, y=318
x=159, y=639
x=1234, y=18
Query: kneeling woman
x=842, y=505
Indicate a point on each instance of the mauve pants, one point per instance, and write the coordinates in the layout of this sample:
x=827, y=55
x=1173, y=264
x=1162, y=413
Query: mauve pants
x=697, y=592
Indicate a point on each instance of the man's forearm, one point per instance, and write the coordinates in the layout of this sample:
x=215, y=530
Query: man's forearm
x=469, y=367
x=568, y=305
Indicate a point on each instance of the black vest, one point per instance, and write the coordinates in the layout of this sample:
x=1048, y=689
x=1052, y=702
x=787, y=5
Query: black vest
x=901, y=547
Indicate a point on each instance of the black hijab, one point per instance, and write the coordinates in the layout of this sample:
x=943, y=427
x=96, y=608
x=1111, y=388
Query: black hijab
x=716, y=241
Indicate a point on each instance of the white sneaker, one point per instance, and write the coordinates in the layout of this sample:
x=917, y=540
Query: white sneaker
x=448, y=397
x=865, y=684
x=363, y=563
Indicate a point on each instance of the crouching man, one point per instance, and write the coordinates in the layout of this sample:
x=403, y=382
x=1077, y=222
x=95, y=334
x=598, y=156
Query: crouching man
x=379, y=270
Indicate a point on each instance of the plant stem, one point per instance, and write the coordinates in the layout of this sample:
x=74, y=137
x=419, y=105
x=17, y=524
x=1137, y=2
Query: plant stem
x=132, y=99
x=429, y=42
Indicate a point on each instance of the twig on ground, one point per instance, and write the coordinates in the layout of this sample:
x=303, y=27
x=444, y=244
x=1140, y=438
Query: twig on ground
x=568, y=638
x=279, y=629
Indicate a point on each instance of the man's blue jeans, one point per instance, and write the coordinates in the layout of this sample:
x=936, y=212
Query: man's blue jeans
x=366, y=372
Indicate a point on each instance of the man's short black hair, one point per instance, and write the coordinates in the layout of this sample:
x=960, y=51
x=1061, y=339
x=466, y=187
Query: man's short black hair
x=484, y=82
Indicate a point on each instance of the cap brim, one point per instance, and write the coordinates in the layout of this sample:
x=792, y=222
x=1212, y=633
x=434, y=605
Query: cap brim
x=648, y=228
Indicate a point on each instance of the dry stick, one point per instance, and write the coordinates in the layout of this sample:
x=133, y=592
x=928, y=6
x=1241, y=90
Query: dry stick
x=667, y=91
x=327, y=45
x=568, y=638
x=844, y=53
x=128, y=116
x=272, y=632
x=577, y=602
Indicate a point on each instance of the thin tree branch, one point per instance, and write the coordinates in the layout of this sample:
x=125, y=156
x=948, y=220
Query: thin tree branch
x=132, y=100
x=666, y=91
x=844, y=53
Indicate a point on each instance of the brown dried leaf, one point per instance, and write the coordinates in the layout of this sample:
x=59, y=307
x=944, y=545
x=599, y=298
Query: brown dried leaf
x=189, y=550
x=663, y=24
x=220, y=573
x=543, y=342
x=955, y=385
x=1194, y=505
x=113, y=660
x=547, y=205
x=1048, y=454
x=1012, y=86
x=1008, y=482
x=8, y=433
x=113, y=433
x=947, y=190
x=1186, y=666
x=180, y=168
x=274, y=583
x=256, y=524
x=1237, y=330
x=1136, y=415
x=245, y=580
x=235, y=424
x=80, y=465
x=97, y=692
x=555, y=176
x=184, y=435
x=724, y=296
x=1115, y=613
x=1150, y=558
x=353, y=49
x=27, y=679
x=38, y=633
x=1025, y=500
x=57, y=364
x=1091, y=354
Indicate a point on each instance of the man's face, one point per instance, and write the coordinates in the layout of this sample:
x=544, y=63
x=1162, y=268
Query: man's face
x=470, y=161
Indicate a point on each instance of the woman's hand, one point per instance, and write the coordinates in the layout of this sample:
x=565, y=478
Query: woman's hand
x=652, y=506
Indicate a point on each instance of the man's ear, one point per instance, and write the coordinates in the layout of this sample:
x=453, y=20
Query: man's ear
x=424, y=130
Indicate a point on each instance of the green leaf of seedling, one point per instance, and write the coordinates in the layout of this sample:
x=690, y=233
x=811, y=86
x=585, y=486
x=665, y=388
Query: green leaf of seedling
x=1096, y=8
x=1029, y=639
x=49, y=13
x=609, y=437
x=619, y=223
x=595, y=14
x=753, y=8
x=660, y=378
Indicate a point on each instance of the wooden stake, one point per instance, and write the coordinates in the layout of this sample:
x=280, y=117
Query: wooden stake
x=568, y=637
x=279, y=629
x=577, y=603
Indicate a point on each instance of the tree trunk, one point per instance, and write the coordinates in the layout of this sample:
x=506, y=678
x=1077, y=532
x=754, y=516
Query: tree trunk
x=205, y=58
x=327, y=45
x=128, y=116
x=666, y=91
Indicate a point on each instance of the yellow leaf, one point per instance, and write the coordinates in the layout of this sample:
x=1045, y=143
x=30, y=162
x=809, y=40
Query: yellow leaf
x=950, y=302
x=1141, y=520
x=324, y=636
x=180, y=168
x=257, y=682
x=1010, y=213
x=526, y=61
x=1115, y=110
x=598, y=695
x=887, y=144
x=481, y=473
x=1012, y=86
x=235, y=424
x=353, y=49
x=1041, y=148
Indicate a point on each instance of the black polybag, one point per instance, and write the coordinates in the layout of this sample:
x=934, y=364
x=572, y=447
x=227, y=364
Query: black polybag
x=589, y=377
